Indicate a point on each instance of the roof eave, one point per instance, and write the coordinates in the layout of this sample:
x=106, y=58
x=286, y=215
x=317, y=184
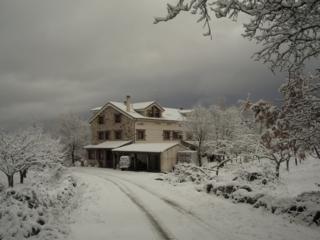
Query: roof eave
x=112, y=105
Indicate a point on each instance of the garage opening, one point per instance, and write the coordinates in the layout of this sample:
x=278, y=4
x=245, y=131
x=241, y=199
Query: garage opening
x=149, y=162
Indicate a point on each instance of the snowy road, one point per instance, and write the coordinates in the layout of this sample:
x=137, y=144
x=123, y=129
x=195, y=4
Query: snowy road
x=129, y=205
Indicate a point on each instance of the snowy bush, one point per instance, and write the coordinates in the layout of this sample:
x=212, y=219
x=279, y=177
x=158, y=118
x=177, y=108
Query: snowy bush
x=256, y=175
x=34, y=210
x=302, y=209
x=186, y=172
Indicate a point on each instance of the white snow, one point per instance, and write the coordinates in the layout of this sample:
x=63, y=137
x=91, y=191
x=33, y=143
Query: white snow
x=37, y=209
x=142, y=105
x=169, y=114
x=146, y=147
x=108, y=211
x=107, y=145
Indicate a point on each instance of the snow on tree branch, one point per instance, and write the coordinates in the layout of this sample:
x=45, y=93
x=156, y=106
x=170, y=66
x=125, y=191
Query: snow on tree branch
x=25, y=148
x=287, y=30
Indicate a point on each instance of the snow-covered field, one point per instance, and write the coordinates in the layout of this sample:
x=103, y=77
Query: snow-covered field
x=134, y=205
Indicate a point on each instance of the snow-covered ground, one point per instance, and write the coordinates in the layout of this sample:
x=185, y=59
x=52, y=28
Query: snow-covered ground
x=39, y=208
x=302, y=178
x=134, y=205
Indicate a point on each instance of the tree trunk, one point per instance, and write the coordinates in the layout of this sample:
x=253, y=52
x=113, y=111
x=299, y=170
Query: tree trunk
x=72, y=155
x=23, y=175
x=199, y=158
x=277, y=169
x=296, y=160
x=287, y=162
x=10, y=180
x=199, y=154
x=317, y=152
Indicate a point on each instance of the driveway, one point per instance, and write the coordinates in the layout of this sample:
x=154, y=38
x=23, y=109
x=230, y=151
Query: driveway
x=133, y=205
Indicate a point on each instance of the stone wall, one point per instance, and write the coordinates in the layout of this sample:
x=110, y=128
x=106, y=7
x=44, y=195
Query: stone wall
x=126, y=125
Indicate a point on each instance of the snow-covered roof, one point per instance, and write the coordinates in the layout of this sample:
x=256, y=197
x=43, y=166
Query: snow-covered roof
x=171, y=114
x=184, y=111
x=107, y=145
x=146, y=147
x=142, y=105
x=123, y=107
x=96, y=108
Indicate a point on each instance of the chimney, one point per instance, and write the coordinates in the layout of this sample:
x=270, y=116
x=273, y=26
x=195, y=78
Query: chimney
x=128, y=103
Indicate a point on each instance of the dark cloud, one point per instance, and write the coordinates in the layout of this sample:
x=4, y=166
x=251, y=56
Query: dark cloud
x=62, y=55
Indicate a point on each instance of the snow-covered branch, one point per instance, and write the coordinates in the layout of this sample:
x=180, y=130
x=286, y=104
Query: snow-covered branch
x=25, y=148
x=287, y=30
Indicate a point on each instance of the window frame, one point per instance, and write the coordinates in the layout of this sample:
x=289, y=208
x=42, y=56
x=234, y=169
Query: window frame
x=138, y=131
x=117, y=132
x=154, y=112
x=107, y=135
x=176, y=135
x=100, y=135
x=117, y=117
x=166, y=137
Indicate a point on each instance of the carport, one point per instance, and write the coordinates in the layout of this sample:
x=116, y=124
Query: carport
x=151, y=157
x=101, y=154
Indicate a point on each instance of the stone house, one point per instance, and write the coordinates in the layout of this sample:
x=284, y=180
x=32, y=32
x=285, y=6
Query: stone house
x=147, y=132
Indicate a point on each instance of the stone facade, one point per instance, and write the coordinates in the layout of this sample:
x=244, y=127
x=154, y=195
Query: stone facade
x=126, y=125
x=138, y=123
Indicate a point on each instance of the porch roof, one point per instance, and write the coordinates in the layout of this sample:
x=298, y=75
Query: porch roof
x=107, y=145
x=146, y=147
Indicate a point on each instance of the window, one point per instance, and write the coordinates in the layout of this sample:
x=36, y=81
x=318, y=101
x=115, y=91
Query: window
x=176, y=135
x=101, y=119
x=154, y=112
x=166, y=135
x=118, y=134
x=117, y=118
x=91, y=154
x=141, y=134
x=101, y=135
x=106, y=135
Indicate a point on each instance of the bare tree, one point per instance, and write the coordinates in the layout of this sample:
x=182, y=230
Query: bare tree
x=275, y=142
x=301, y=105
x=288, y=30
x=23, y=149
x=199, y=124
x=74, y=133
x=231, y=136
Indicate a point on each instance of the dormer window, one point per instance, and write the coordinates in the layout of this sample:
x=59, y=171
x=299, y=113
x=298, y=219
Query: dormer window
x=117, y=118
x=154, y=112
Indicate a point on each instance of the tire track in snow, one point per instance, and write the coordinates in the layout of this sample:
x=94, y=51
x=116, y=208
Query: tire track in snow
x=172, y=203
x=179, y=208
x=164, y=234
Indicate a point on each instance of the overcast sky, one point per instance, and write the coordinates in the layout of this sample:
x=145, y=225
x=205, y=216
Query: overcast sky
x=72, y=55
